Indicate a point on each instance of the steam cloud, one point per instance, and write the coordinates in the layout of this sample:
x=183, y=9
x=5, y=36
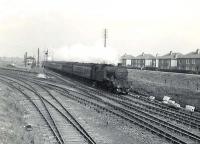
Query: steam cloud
x=88, y=54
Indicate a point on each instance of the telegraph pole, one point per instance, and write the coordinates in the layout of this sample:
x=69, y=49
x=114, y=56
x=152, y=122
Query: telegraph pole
x=25, y=58
x=38, y=59
x=46, y=54
x=105, y=37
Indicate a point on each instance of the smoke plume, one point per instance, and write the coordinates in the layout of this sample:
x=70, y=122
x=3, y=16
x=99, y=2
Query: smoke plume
x=87, y=54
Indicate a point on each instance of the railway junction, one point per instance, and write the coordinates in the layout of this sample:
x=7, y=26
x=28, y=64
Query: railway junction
x=53, y=108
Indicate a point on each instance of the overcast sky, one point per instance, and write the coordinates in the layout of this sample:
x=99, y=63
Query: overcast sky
x=74, y=28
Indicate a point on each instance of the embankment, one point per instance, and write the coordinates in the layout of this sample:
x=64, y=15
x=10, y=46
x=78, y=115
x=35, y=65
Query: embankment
x=183, y=88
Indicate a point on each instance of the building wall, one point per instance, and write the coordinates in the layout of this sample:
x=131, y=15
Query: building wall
x=167, y=63
x=173, y=63
x=128, y=62
x=156, y=62
x=123, y=62
x=139, y=63
x=148, y=63
x=190, y=64
x=133, y=63
x=164, y=63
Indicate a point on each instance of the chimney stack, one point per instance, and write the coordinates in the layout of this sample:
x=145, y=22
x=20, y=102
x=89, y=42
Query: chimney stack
x=175, y=56
x=198, y=51
x=143, y=54
x=157, y=55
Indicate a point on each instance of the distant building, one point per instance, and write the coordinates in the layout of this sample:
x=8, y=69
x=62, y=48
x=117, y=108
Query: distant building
x=144, y=60
x=168, y=61
x=126, y=60
x=30, y=60
x=190, y=61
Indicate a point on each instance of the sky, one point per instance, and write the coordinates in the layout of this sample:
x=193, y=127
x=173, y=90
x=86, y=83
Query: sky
x=74, y=29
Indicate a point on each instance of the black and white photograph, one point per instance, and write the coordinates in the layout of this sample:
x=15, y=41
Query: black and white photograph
x=99, y=72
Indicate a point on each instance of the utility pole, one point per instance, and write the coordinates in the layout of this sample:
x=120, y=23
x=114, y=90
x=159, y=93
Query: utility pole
x=46, y=54
x=25, y=59
x=38, y=60
x=105, y=37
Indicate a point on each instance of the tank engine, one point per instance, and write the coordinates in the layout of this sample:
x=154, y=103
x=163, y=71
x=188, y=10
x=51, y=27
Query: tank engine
x=111, y=77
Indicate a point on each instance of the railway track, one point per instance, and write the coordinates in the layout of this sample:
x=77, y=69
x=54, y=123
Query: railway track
x=102, y=101
x=186, y=119
x=122, y=110
x=145, y=107
x=53, y=111
x=170, y=115
x=124, y=114
x=44, y=115
x=59, y=106
x=193, y=117
x=157, y=103
x=167, y=125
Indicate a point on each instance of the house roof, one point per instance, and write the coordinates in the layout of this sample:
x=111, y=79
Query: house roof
x=126, y=56
x=170, y=55
x=30, y=57
x=145, y=56
x=195, y=54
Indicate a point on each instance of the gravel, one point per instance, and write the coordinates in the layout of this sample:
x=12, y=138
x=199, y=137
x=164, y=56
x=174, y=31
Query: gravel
x=16, y=112
x=11, y=118
x=14, y=117
x=109, y=129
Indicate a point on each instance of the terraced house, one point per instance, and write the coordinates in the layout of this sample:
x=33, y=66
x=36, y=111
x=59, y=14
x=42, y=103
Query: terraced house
x=168, y=61
x=190, y=61
x=126, y=60
x=144, y=60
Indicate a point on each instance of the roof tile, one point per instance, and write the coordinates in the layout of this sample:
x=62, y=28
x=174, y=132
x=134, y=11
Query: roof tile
x=126, y=56
x=170, y=55
x=145, y=56
x=195, y=54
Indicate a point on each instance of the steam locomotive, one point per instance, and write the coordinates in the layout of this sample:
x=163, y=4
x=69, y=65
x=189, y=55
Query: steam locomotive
x=110, y=77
